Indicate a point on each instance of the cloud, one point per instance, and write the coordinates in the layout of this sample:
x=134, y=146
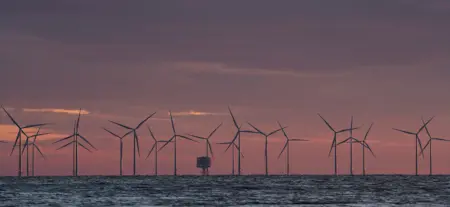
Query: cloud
x=8, y=132
x=220, y=68
x=197, y=113
x=51, y=110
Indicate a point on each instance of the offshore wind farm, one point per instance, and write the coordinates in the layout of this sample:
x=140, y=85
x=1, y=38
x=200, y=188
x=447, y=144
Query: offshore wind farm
x=224, y=103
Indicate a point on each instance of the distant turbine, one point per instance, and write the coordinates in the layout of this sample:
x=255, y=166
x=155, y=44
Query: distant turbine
x=33, y=145
x=232, y=154
x=19, y=138
x=154, y=149
x=417, y=139
x=334, y=143
x=363, y=144
x=75, y=143
x=208, y=144
x=266, y=136
x=430, y=139
x=286, y=147
x=135, y=138
x=121, y=149
x=174, y=140
x=237, y=138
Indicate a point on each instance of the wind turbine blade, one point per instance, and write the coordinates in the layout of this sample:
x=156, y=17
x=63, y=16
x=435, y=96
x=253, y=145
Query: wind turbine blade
x=425, y=147
x=248, y=131
x=406, y=132
x=346, y=140
x=126, y=127
x=259, y=131
x=142, y=122
x=232, y=141
x=112, y=133
x=78, y=119
x=198, y=137
x=370, y=149
x=441, y=139
x=65, y=145
x=232, y=116
x=171, y=121
x=64, y=139
x=238, y=148
x=271, y=133
x=137, y=144
x=223, y=143
x=210, y=135
x=425, y=125
x=331, y=148
x=367, y=133
x=285, y=146
x=346, y=130
x=83, y=138
x=420, y=145
x=328, y=124
x=184, y=137
x=34, y=125
x=38, y=135
x=84, y=147
x=15, y=143
x=426, y=129
x=301, y=140
x=150, y=152
x=282, y=129
x=10, y=117
x=168, y=141
x=210, y=148
x=151, y=133
x=40, y=152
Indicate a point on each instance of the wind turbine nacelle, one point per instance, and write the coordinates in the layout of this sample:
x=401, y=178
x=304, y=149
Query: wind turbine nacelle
x=203, y=162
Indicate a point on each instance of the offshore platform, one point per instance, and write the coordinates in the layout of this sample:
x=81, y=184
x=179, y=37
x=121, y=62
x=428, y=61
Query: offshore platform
x=204, y=163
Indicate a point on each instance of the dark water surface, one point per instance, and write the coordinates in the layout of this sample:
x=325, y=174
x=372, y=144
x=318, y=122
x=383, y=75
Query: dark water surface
x=227, y=191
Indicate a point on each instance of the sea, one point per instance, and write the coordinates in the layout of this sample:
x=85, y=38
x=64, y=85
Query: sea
x=379, y=190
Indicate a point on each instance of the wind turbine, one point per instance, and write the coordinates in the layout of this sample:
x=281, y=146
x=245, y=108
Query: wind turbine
x=174, y=140
x=33, y=144
x=154, y=149
x=237, y=138
x=334, y=143
x=266, y=136
x=208, y=144
x=121, y=148
x=286, y=147
x=135, y=138
x=430, y=139
x=417, y=139
x=363, y=144
x=75, y=143
x=19, y=139
x=232, y=154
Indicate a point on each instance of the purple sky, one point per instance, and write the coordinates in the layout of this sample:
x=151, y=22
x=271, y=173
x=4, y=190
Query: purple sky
x=382, y=61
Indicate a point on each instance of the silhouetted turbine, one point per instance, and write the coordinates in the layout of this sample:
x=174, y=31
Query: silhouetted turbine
x=174, y=140
x=135, y=138
x=232, y=154
x=154, y=149
x=208, y=144
x=430, y=139
x=121, y=149
x=417, y=139
x=19, y=139
x=334, y=143
x=363, y=145
x=75, y=143
x=33, y=145
x=286, y=147
x=266, y=136
x=237, y=138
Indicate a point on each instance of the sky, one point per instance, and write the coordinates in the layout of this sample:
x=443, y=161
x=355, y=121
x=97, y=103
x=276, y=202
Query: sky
x=382, y=61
